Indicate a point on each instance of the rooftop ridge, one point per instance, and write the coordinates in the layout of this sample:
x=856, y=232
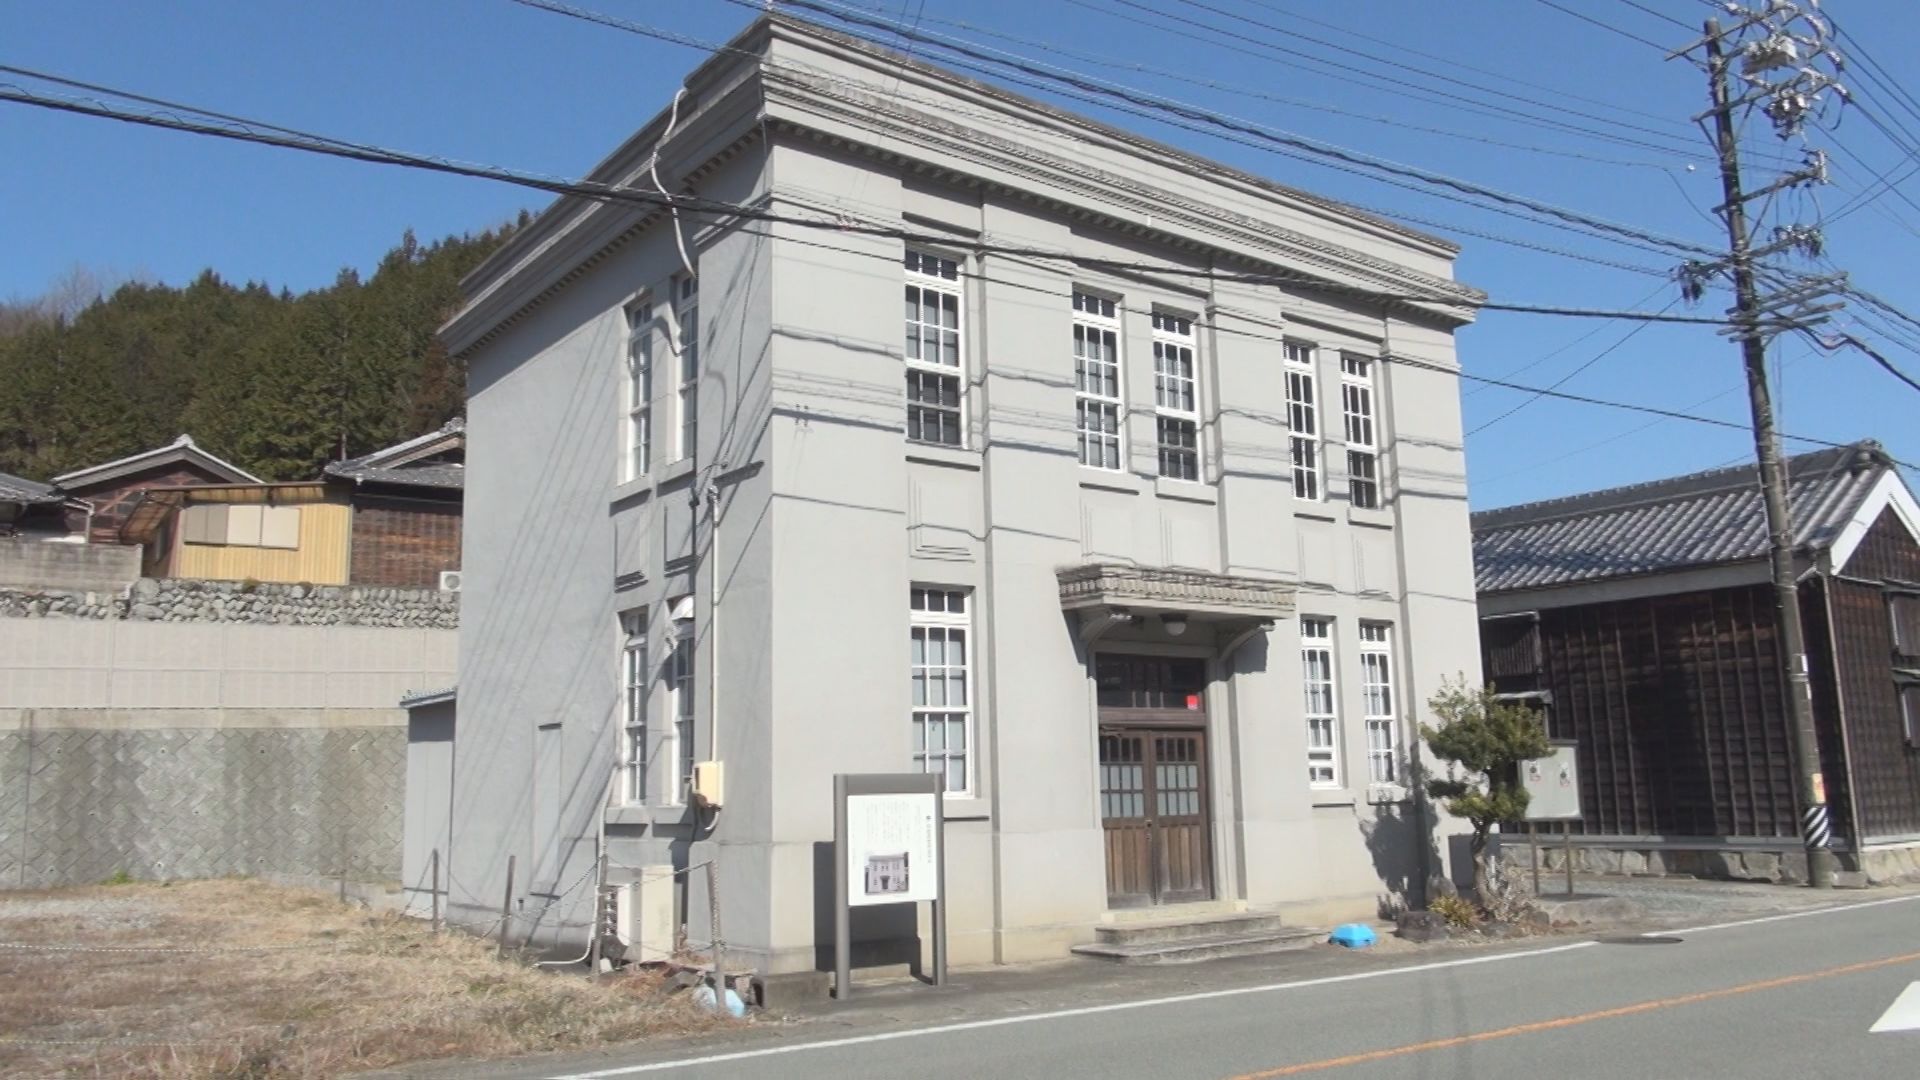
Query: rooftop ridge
x=1673, y=488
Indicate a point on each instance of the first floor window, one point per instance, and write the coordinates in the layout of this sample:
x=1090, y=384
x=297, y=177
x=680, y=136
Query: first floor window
x=1910, y=711
x=680, y=690
x=1376, y=686
x=1323, y=724
x=938, y=670
x=633, y=702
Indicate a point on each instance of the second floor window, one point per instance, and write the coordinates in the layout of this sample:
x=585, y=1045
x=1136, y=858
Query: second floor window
x=1303, y=420
x=1176, y=397
x=1098, y=383
x=1363, y=450
x=934, y=367
x=639, y=399
x=686, y=318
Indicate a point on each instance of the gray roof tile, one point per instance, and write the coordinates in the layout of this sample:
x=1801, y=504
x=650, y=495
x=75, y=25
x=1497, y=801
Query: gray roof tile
x=19, y=489
x=1702, y=519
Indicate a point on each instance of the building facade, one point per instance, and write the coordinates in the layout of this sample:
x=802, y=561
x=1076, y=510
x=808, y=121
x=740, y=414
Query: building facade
x=1146, y=526
x=1642, y=620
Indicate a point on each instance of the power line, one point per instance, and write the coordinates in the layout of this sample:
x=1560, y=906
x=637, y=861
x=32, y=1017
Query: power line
x=1457, y=62
x=1120, y=64
x=1284, y=139
x=1569, y=376
x=1609, y=27
x=1635, y=4
x=645, y=30
x=651, y=199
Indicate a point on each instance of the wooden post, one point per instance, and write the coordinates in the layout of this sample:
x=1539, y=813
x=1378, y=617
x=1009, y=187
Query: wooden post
x=434, y=922
x=506, y=909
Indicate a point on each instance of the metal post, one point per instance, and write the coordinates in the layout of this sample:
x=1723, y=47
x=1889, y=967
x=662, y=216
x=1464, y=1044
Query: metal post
x=343, y=887
x=1812, y=786
x=1533, y=851
x=842, y=920
x=506, y=909
x=719, y=947
x=1568, y=832
x=434, y=922
x=599, y=928
x=940, y=882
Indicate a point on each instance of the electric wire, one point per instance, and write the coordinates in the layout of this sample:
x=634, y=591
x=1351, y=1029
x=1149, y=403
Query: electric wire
x=1609, y=27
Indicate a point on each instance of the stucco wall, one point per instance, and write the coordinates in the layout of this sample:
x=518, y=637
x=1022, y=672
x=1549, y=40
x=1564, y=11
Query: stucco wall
x=818, y=493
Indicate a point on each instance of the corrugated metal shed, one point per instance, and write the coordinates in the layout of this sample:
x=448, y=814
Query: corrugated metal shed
x=1703, y=519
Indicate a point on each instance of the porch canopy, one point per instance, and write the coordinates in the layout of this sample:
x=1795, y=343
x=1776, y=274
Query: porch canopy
x=1110, y=595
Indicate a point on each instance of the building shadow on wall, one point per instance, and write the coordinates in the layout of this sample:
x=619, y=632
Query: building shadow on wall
x=883, y=935
x=1405, y=855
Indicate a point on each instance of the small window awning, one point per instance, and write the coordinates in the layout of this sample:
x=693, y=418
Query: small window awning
x=1154, y=589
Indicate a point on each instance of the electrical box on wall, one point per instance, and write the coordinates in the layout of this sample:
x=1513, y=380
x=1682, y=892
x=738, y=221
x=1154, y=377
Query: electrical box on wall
x=643, y=915
x=708, y=783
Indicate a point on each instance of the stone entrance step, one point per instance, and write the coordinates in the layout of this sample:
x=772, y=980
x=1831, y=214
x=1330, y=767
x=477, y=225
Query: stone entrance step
x=1189, y=940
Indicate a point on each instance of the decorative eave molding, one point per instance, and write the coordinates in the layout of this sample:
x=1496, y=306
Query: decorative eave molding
x=582, y=244
x=1118, y=585
x=944, y=139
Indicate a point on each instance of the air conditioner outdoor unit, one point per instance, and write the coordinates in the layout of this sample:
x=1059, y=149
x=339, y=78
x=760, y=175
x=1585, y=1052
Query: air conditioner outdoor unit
x=449, y=581
x=643, y=915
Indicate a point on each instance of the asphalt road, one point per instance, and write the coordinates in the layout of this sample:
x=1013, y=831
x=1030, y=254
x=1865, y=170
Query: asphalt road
x=1785, y=996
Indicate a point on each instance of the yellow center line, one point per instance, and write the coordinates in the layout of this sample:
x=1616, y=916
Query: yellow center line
x=1571, y=1021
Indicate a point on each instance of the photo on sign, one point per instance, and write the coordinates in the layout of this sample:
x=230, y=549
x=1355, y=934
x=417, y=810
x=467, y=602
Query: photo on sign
x=887, y=874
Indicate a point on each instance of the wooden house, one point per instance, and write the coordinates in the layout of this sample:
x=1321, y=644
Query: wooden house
x=1641, y=619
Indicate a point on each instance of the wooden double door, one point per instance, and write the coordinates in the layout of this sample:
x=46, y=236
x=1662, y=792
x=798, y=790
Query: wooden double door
x=1153, y=780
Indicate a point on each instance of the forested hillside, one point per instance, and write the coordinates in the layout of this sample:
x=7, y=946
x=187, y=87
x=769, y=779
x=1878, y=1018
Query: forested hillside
x=275, y=382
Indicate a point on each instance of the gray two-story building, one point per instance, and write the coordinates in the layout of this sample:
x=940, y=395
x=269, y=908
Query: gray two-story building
x=935, y=428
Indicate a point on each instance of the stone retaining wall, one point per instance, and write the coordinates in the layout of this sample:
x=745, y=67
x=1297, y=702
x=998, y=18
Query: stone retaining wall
x=264, y=603
x=1881, y=866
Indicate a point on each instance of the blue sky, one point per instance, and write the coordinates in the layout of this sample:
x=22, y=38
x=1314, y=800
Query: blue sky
x=489, y=81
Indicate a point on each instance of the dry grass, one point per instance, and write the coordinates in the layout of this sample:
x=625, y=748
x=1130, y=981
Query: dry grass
x=346, y=991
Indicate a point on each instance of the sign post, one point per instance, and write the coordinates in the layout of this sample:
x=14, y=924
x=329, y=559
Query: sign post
x=1552, y=784
x=889, y=847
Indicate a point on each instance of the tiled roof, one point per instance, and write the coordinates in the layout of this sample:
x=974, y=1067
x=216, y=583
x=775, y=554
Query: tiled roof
x=1704, y=519
x=395, y=464
x=19, y=489
x=181, y=449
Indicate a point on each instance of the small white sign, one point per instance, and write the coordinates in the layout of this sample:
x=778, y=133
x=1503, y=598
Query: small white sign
x=890, y=848
x=1553, y=784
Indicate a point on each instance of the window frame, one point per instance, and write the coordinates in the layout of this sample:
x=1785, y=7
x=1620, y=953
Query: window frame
x=1097, y=314
x=634, y=684
x=919, y=369
x=636, y=458
x=1172, y=333
x=1305, y=460
x=679, y=665
x=1320, y=756
x=1376, y=654
x=1898, y=599
x=923, y=623
x=686, y=325
x=1360, y=415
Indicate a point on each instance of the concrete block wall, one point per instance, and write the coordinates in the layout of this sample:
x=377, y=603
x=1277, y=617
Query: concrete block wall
x=42, y=564
x=167, y=750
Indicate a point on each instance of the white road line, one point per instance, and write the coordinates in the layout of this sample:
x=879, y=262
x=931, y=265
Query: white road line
x=1783, y=918
x=1088, y=1010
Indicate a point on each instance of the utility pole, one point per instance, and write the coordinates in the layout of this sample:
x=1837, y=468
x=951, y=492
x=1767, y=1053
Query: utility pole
x=1749, y=312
